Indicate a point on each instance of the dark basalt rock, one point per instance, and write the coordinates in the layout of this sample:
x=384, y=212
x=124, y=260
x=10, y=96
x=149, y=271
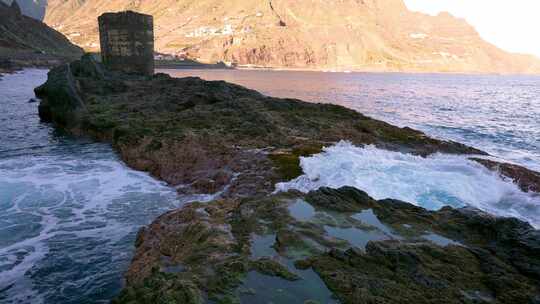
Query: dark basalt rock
x=346, y=199
x=15, y=8
x=212, y=136
x=395, y=272
x=185, y=131
x=60, y=100
x=273, y=268
x=492, y=260
x=527, y=180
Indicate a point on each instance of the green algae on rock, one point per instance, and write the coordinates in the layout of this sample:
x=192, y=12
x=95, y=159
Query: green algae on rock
x=492, y=260
x=207, y=135
x=215, y=137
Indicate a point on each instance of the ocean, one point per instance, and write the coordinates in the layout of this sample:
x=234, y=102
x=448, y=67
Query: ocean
x=70, y=209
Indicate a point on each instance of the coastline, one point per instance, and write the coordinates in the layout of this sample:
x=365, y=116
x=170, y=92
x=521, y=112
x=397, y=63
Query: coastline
x=189, y=64
x=383, y=70
x=347, y=70
x=244, y=174
x=11, y=64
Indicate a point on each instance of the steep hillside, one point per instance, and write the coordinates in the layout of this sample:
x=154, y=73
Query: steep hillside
x=31, y=8
x=25, y=41
x=334, y=34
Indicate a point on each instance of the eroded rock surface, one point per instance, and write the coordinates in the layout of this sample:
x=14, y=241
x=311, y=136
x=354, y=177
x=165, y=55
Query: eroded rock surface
x=486, y=259
x=527, y=180
x=210, y=136
x=327, y=246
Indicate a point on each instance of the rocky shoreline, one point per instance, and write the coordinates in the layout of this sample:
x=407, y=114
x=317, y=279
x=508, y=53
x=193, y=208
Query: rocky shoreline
x=212, y=137
x=29, y=43
x=29, y=61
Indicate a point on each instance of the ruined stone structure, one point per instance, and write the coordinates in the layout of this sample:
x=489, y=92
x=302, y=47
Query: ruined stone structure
x=16, y=8
x=127, y=42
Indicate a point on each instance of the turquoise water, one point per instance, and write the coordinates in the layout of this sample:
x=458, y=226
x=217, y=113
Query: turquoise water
x=497, y=114
x=431, y=182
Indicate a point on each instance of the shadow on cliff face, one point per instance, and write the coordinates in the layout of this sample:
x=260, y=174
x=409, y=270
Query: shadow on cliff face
x=31, y=8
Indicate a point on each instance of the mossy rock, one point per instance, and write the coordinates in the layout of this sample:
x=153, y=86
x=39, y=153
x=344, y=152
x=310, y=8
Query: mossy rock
x=273, y=268
x=288, y=163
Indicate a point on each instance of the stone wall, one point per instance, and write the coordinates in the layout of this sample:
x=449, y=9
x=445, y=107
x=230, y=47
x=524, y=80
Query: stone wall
x=127, y=42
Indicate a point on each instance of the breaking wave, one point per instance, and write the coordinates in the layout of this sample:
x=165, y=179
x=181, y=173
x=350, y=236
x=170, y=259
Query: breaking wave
x=431, y=182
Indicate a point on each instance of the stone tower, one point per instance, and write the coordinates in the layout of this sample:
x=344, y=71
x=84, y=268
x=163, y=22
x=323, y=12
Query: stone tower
x=16, y=8
x=127, y=42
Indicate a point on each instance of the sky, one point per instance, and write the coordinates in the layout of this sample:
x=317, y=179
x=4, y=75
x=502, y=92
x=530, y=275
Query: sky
x=513, y=25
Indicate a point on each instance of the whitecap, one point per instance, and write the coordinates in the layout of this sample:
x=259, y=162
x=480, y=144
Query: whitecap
x=431, y=182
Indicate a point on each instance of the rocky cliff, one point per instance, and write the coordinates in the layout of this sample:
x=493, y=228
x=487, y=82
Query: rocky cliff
x=25, y=41
x=376, y=35
x=31, y=8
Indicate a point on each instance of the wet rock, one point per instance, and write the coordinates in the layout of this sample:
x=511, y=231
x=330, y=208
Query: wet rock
x=216, y=137
x=6, y=66
x=212, y=185
x=394, y=272
x=287, y=240
x=60, y=98
x=495, y=261
x=201, y=242
x=273, y=268
x=503, y=250
x=162, y=288
x=527, y=180
x=346, y=199
x=185, y=131
x=15, y=8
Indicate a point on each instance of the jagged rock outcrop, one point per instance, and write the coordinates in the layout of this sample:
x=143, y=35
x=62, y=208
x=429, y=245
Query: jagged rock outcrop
x=373, y=35
x=25, y=41
x=31, y=8
x=15, y=8
x=527, y=180
x=210, y=136
x=211, y=251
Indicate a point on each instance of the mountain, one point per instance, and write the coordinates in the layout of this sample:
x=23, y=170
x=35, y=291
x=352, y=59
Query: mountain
x=25, y=41
x=31, y=8
x=372, y=35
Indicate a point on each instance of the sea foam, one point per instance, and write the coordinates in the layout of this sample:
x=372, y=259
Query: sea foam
x=69, y=217
x=431, y=182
